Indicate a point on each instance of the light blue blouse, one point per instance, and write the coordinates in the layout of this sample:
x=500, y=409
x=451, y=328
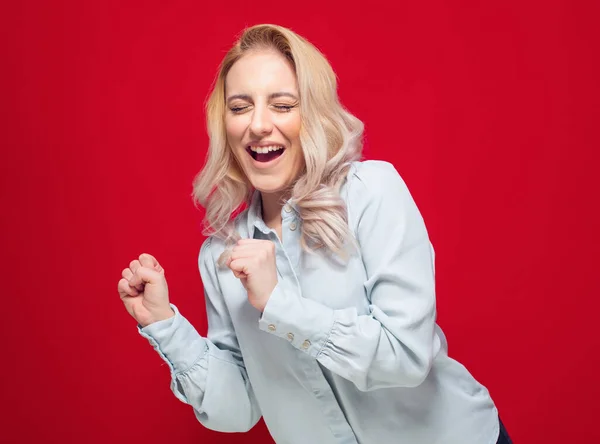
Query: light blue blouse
x=343, y=352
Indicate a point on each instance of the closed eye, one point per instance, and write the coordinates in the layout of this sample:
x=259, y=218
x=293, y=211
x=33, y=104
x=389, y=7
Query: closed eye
x=285, y=108
x=238, y=109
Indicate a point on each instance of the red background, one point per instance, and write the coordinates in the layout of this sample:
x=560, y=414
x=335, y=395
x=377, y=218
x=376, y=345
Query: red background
x=489, y=111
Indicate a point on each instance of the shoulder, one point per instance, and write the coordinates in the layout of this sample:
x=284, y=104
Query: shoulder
x=377, y=197
x=374, y=179
x=213, y=246
x=210, y=250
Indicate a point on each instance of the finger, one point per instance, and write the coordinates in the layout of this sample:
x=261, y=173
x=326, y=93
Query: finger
x=143, y=276
x=251, y=241
x=266, y=246
x=125, y=289
x=240, y=265
x=244, y=254
x=258, y=245
x=134, y=265
x=249, y=247
x=239, y=274
x=127, y=273
x=149, y=261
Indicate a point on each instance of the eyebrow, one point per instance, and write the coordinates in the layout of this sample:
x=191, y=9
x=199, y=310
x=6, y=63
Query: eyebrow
x=271, y=96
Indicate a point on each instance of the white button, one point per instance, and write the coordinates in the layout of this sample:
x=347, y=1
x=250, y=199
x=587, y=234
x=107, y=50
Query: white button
x=290, y=336
x=293, y=226
x=271, y=327
x=306, y=344
x=287, y=208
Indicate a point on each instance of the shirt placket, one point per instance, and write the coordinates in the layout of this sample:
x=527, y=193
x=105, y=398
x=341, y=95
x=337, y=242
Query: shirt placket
x=288, y=253
x=290, y=233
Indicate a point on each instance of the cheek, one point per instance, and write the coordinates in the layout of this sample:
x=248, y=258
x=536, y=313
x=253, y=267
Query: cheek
x=296, y=161
x=291, y=128
x=292, y=133
x=234, y=129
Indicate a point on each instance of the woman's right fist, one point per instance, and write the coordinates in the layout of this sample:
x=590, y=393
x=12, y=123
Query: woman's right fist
x=143, y=290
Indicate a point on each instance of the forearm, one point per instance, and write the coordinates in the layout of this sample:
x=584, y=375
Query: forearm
x=226, y=404
x=372, y=351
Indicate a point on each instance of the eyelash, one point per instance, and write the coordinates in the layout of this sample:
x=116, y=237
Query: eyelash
x=282, y=108
x=285, y=108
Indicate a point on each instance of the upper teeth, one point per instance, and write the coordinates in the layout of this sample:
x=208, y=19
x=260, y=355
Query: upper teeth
x=265, y=149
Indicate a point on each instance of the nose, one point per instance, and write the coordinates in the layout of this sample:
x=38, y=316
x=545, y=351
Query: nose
x=261, y=123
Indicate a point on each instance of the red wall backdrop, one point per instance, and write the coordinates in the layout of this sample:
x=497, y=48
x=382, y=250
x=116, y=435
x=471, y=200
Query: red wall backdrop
x=489, y=111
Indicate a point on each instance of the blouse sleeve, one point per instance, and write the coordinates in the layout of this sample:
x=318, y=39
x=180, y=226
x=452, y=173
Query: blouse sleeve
x=207, y=373
x=395, y=343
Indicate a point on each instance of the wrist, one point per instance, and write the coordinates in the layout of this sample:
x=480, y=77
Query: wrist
x=167, y=314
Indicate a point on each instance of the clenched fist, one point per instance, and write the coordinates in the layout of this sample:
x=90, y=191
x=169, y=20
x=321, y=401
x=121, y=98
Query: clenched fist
x=143, y=290
x=253, y=263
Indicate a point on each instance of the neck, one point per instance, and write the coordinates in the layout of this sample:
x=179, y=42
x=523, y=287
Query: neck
x=271, y=208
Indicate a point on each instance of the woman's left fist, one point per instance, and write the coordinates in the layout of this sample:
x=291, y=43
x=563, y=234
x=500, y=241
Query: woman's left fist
x=253, y=263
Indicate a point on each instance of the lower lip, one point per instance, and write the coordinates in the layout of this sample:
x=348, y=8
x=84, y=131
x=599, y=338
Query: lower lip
x=269, y=164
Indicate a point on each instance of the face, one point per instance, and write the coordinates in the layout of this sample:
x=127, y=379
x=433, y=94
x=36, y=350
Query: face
x=262, y=120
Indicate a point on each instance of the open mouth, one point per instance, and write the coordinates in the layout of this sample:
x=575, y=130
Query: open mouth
x=265, y=153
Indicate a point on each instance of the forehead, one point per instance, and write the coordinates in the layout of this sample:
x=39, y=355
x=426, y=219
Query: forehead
x=260, y=73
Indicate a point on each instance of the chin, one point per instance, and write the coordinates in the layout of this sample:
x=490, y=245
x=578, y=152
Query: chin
x=269, y=185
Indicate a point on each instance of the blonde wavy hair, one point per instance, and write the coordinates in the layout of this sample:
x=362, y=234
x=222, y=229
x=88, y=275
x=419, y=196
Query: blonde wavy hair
x=331, y=139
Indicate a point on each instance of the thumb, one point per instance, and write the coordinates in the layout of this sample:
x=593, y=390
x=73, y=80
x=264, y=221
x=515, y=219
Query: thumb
x=144, y=275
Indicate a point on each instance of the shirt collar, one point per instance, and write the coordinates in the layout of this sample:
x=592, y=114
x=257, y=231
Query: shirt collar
x=254, y=215
x=255, y=219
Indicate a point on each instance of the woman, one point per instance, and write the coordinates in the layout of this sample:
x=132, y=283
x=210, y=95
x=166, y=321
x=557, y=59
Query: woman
x=320, y=295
